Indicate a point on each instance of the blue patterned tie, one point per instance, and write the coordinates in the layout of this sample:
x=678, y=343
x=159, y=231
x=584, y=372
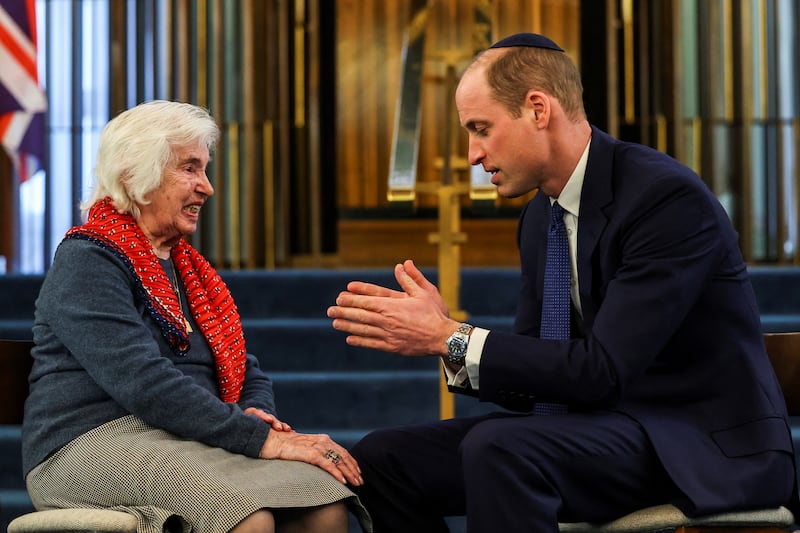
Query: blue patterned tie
x=556, y=299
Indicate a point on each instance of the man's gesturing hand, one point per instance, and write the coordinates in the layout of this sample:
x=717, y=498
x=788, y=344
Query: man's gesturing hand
x=412, y=322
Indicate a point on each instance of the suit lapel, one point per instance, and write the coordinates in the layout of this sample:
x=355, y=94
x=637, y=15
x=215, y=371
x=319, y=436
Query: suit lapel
x=596, y=197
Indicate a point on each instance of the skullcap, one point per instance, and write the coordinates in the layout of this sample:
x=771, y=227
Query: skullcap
x=533, y=40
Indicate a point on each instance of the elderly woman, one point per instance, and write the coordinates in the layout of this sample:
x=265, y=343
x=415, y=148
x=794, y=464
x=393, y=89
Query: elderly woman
x=142, y=396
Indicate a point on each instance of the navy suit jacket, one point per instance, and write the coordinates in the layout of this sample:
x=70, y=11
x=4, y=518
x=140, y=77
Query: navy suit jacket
x=670, y=333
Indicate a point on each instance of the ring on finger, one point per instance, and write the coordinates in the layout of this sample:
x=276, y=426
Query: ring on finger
x=333, y=457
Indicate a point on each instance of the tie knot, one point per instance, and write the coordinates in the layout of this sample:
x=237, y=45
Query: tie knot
x=556, y=214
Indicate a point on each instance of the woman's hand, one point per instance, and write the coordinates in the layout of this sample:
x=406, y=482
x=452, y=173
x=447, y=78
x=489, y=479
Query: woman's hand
x=270, y=419
x=319, y=450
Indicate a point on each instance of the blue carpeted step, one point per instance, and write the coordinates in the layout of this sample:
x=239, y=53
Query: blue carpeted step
x=17, y=295
x=363, y=399
x=776, y=289
x=308, y=292
x=16, y=328
x=10, y=458
x=295, y=293
x=13, y=503
x=780, y=323
x=300, y=344
x=345, y=437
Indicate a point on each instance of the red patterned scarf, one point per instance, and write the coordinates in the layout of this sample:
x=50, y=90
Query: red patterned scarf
x=210, y=301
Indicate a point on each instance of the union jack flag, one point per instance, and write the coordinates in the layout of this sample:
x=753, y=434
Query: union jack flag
x=22, y=101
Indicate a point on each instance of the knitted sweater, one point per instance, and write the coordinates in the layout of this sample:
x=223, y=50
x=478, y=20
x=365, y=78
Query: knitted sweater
x=99, y=355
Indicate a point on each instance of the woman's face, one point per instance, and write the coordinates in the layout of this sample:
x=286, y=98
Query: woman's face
x=174, y=207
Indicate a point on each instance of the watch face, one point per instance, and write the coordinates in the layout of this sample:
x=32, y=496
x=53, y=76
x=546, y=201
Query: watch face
x=457, y=349
x=457, y=344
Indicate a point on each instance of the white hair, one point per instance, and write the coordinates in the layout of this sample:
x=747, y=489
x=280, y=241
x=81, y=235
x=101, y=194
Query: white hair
x=136, y=146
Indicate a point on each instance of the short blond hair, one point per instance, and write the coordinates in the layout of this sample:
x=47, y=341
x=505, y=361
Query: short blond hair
x=515, y=70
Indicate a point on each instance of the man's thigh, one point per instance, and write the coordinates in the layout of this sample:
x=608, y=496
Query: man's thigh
x=601, y=464
x=421, y=460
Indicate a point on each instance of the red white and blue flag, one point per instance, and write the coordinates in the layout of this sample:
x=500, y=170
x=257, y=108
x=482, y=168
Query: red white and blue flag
x=22, y=101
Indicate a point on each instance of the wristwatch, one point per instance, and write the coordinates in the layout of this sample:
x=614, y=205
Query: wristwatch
x=457, y=344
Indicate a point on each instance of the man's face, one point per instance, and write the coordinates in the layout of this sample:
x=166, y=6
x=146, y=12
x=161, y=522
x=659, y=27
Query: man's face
x=510, y=148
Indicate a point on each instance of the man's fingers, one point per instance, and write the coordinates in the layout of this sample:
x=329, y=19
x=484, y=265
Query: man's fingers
x=372, y=343
x=360, y=308
x=350, y=316
x=370, y=289
x=410, y=284
x=360, y=329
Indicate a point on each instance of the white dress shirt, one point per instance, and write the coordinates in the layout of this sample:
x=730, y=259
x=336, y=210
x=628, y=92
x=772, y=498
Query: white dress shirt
x=570, y=201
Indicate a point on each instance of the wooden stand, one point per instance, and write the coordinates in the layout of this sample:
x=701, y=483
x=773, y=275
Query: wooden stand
x=449, y=236
x=449, y=239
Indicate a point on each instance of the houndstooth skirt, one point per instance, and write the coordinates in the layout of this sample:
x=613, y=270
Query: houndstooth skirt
x=171, y=484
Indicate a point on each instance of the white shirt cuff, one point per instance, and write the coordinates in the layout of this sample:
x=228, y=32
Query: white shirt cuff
x=470, y=371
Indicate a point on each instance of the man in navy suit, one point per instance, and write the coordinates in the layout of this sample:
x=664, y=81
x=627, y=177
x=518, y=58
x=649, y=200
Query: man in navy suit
x=668, y=394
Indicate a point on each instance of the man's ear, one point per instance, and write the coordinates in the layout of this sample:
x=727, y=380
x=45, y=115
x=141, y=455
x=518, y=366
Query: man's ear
x=539, y=105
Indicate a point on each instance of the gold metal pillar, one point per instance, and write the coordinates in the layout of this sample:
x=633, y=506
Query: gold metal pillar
x=449, y=236
x=449, y=239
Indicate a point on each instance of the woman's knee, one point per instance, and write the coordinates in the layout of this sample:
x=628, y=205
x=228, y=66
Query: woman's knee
x=260, y=521
x=333, y=518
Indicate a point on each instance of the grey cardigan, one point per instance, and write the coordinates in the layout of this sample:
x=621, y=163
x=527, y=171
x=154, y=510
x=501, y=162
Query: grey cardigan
x=100, y=355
